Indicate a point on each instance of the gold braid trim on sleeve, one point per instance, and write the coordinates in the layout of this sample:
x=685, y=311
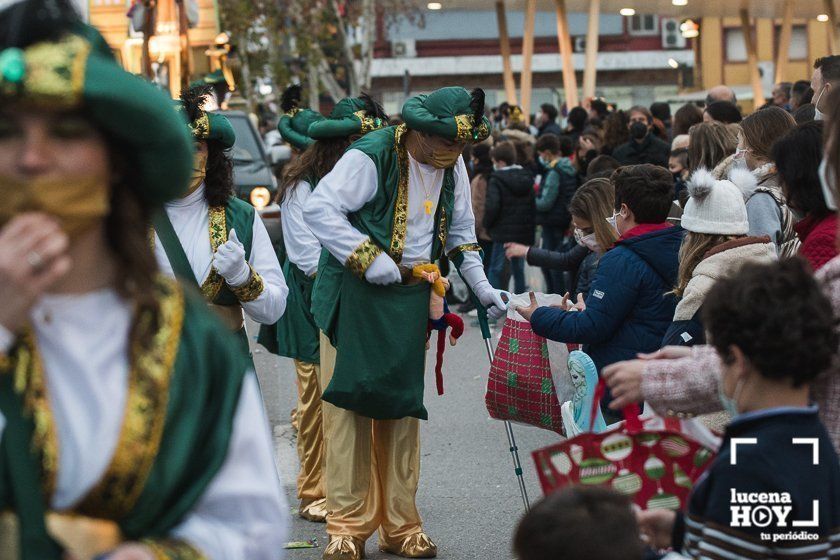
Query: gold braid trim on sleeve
x=463, y=249
x=362, y=257
x=250, y=290
x=173, y=549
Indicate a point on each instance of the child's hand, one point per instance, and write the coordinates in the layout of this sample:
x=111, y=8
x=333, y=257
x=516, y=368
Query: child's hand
x=526, y=312
x=625, y=382
x=656, y=526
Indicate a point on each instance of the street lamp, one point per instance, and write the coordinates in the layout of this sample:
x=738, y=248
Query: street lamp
x=627, y=12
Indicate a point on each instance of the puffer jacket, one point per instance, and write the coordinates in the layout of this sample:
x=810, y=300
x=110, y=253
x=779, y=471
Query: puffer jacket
x=628, y=309
x=510, y=210
x=719, y=263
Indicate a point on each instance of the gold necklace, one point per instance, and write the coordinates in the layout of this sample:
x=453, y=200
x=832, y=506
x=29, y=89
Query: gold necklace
x=427, y=203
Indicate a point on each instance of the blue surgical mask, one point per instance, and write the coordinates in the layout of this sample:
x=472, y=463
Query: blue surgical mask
x=730, y=404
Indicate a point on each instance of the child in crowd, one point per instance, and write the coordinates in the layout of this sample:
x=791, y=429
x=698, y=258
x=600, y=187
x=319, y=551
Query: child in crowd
x=579, y=523
x=775, y=332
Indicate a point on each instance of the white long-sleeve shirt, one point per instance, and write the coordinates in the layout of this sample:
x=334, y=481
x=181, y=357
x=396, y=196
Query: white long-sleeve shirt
x=83, y=342
x=302, y=247
x=191, y=221
x=352, y=183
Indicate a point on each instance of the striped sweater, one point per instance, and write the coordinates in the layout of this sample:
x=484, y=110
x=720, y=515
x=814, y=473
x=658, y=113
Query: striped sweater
x=756, y=507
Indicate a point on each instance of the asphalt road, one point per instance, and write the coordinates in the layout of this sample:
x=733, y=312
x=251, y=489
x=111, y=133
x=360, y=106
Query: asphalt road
x=468, y=495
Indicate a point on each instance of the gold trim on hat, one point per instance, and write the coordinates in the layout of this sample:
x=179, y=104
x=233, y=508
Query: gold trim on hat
x=467, y=131
x=200, y=127
x=55, y=73
x=368, y=123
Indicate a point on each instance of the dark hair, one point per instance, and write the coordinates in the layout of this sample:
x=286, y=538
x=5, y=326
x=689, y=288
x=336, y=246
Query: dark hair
x=640, y=109
x=481, y=152
x=218, y=182
x=805, y=113
x=311, y=165
x=571, y=524
x=661, y=110
x=801, y=92
x=686, y=116
x=830, y=66
x=615, y=129
x=577, y=118
x=786, y=88
x=762, y=128
x=549, y=110
x=797, y=155
x=600, y=107
x=550, y=142
x=647, y=190
x=567, y=147
x=504, y=151
x=724, y=111
x=777, y=316
x=601, y=164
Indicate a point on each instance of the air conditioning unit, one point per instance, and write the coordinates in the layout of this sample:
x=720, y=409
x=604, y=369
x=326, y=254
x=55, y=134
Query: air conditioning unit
x=580, y=43
x=671, y=36
x=404, y=48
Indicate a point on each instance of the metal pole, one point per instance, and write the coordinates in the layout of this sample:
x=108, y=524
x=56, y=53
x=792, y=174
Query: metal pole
x=514, y=450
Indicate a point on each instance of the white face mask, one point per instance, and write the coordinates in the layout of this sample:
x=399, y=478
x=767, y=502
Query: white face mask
x=587, y=241
x=829, y=184
x=819, y=115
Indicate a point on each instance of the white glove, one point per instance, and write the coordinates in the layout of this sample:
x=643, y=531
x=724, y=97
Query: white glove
x=492, y=299
x=229, y=261
x=383, y=271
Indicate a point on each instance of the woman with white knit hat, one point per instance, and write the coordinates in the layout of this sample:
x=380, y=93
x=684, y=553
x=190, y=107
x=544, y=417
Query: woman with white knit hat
x=714, y=247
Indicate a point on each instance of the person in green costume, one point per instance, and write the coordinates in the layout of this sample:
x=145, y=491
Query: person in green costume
x=130, y=424
x=215, y=241
x=296, y=336
x=397, y=199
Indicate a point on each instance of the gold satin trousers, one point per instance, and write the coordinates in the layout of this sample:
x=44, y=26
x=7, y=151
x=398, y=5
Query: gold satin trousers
x=310, y=436
x=372, y=470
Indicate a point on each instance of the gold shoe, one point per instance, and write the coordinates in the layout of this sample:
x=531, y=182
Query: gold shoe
x=342, y=547
x=418, y=545
x=314, y=511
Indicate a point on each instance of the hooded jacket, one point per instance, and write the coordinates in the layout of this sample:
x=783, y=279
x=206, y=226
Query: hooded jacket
x=629, y=308
x=557, y=188
x=719, y=263
x=510, y=210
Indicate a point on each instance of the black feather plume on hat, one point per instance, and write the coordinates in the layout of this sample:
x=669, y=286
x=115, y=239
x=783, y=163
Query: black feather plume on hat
x=372, y=108
x=193, y=98
x=291, y=98
x=477, y=105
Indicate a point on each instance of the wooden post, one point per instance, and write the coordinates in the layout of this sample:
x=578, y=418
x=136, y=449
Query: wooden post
x=183, y=31
x=833, y=39
x=504, y=42
x=589, y=68
x=784, y=42
x=149, y=7
x=752, y=60
x=564, y=40
x=528, y=57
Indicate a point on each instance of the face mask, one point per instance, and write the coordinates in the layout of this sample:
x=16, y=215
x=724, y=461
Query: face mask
x=828, y=185
x=611, y=221
x=543, y=161
x=79, y=203
x=587, y=241
x=730, y=405
x=199, y=172
x=443, y=159
x=638, y=130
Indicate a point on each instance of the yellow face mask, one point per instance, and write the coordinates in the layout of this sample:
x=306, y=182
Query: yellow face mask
x=199, y=171
x=440, y=158
x=78, y=203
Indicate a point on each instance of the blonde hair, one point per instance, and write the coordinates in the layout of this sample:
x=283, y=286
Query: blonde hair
x=710, y=143
x=692, y=251
x=595, y=201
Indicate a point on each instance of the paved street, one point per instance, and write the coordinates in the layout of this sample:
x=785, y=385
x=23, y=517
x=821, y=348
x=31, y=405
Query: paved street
x=468, y=494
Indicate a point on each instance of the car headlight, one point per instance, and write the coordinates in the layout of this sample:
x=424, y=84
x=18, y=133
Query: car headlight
x=260, y=197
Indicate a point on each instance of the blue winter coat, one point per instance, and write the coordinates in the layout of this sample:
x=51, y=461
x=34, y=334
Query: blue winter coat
x=628, y=309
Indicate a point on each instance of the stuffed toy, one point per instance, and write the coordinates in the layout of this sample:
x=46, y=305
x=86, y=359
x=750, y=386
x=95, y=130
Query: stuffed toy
x=440, y=319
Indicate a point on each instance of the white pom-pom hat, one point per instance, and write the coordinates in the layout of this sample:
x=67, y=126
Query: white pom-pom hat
x=715, y=207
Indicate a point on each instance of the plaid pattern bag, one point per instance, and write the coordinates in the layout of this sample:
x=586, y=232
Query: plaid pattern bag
x=520, y=387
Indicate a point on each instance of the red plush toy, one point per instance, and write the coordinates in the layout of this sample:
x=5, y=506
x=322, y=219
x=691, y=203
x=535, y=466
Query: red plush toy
x=440, y=319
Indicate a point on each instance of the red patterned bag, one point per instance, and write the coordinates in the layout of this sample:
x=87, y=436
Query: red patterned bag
x=520, y=387
x=656, y=468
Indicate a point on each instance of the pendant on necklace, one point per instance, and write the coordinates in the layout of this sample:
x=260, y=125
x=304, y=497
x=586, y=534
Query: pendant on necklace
x=428, y=206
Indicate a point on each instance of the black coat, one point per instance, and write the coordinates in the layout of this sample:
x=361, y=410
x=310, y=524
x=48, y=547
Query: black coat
x=510, y=211
x=550, y=127
x=650, y=150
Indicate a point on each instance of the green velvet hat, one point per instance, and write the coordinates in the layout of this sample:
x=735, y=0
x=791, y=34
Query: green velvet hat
x=211, y=79
x=450, y=112
x=203, y=125
x=351, y=115
x=294, y=123
x=55, y=62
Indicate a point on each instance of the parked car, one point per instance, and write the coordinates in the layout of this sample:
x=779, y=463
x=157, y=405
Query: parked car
x=252, y=173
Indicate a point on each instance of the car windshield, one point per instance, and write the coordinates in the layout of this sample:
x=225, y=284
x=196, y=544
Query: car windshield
x=245, y=149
